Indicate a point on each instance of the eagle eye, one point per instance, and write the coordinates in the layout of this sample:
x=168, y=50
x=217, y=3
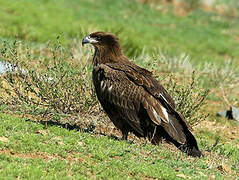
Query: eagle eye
x=97, y=38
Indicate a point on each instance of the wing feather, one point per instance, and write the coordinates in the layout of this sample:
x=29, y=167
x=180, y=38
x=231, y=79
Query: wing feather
x=113, y=87
x=144, y=78
x=128, y=90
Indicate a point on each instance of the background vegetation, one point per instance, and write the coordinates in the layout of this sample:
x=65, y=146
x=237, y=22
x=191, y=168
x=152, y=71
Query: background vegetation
x=51, y=123
x=138, y=26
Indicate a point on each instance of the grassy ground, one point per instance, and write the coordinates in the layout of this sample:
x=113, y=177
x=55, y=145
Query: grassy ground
x=40, y=151
x=66, y=135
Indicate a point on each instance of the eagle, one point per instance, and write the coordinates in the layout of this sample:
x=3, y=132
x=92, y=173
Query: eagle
x=133, y=99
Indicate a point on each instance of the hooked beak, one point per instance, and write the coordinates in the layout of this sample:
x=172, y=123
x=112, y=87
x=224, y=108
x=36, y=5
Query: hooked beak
x=87, y=40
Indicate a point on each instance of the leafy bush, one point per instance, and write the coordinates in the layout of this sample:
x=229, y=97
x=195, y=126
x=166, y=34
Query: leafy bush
x=189, y=98
x=45, y=81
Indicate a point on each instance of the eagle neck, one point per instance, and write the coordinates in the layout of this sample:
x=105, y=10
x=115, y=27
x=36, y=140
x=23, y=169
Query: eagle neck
x=107, y=54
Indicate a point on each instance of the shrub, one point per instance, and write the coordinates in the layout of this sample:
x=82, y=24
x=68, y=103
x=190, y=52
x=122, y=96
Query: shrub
x=189, y=98
x=45, y=81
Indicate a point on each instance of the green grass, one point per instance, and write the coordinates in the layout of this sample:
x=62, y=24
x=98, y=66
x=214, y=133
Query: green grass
x=45, y=150
x=35, y=151
x=204, y=36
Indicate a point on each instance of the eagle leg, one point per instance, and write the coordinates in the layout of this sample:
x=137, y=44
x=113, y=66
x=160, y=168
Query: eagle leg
x=124, y=134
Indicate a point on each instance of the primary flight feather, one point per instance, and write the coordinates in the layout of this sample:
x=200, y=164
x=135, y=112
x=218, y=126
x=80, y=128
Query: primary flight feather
x=133, y=99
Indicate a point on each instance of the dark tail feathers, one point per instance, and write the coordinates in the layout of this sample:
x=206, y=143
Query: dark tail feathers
x=190, y=150
x=190, y=147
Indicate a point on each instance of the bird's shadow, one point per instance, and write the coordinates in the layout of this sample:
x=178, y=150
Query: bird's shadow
x=89, y=129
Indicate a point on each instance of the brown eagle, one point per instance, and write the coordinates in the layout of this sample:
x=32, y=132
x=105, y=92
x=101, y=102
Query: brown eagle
x=133, y=99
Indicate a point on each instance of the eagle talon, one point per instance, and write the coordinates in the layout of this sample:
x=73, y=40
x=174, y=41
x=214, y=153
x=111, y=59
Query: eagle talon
x=124, y=137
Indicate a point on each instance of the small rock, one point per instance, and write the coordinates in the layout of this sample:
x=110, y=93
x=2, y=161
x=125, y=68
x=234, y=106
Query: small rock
x=235, y=113
x=4, y=139
x=181, y=176
x=232, y=113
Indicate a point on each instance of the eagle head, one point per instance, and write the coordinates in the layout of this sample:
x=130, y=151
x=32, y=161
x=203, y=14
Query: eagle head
x=101, y=39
